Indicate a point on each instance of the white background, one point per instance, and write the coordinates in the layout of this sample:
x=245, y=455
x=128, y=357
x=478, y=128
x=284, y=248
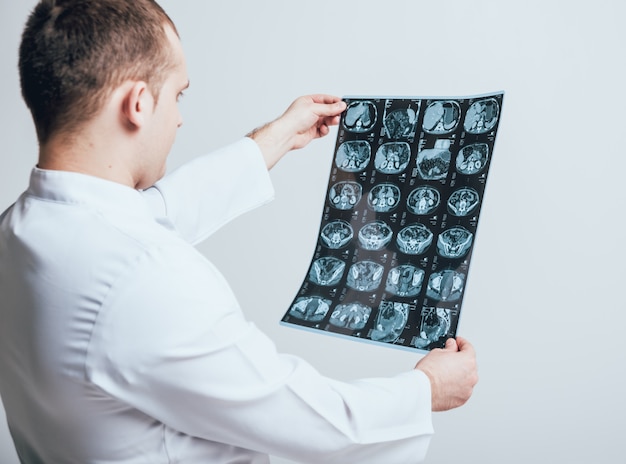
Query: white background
x=544, y=304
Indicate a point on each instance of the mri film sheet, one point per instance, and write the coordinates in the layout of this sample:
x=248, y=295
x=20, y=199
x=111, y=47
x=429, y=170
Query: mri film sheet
x=399, y=222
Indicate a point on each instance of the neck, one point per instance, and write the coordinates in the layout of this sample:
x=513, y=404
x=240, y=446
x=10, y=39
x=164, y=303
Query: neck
x=101, y=157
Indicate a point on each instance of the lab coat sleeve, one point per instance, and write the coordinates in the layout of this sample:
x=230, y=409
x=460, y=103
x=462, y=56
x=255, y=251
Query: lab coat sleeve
x=176, y=346
x=201, y=196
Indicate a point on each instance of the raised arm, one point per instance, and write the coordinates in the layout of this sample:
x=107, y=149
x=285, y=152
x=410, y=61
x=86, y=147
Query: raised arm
x=307, y=118
x=206, y=193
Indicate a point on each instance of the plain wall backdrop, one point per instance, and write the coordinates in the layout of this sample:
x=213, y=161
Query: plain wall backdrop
x=544, y=304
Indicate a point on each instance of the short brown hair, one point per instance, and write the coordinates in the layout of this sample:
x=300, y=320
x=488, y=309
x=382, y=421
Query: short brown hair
x=75, y=52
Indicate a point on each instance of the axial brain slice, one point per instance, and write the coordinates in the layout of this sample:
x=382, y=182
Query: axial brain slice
x=365, y=276
x=353, y=156
x=454, y=242
x=351, y=315
x=327, y=271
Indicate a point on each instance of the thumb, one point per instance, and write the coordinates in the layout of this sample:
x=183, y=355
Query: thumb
x=451, y=345
x=329, y=109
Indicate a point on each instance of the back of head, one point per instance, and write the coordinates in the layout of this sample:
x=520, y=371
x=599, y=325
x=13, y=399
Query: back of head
x=75, y=52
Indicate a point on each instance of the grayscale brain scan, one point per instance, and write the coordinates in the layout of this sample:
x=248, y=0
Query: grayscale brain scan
x=423, y=200
x=434, y=163
x=472, y=159
x=445, y=285
x=390, y=321
x=400, y=123
x=434, y=326
x=463, y=202
x=327, y=271
x=455, y=242
x=351, y=315
x=441, y=117
x=392, y=157
x=365, y=276
x=399, y=220
x=344, y=195
x=384, y=197
x=375, y=235
x=336, y=234
x=482, y=116
x=405, y=280
x=353, y=156
x=414, y=239
x=310, y=308
x=360, y=116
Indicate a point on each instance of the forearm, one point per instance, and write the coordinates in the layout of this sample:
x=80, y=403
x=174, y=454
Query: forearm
x=209, y=191
x=307, y=118
x=273, y=142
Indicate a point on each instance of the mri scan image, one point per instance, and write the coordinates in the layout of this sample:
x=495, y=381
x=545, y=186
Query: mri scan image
x=433, y=163
x=414, y=239
x=482, y=116
x=360, y=116
x=472, y=159
x=365, y=276
x=400, y=123
x=336, y=234
x=454, y=243
x=353, y=156
x=384, y=197
x=327, y=271
x=445, y=285
x=310, y=308
x=399, y=219
x=423, y=200
x=391, y=319
x=463, y=202
x=344, y=195
x=375, y=235
x=434, y=327
x=392, y=157
x=441, y=117
x=351, y=316
x=404, y=280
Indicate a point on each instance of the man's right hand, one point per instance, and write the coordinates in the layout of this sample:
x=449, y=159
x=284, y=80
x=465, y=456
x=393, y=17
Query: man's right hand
x=452, y=372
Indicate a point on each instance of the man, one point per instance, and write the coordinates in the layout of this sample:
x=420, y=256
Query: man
x=119, y=342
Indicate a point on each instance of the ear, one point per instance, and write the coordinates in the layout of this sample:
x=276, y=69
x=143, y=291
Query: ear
x=137, y=104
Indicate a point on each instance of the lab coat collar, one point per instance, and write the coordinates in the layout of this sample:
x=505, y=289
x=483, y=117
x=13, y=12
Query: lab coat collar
x=82, y=189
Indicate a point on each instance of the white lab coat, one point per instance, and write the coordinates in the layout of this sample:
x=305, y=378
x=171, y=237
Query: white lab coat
x=120, y=343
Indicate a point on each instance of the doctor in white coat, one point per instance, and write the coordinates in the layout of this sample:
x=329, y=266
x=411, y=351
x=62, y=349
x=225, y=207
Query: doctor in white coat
x=119, y=342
